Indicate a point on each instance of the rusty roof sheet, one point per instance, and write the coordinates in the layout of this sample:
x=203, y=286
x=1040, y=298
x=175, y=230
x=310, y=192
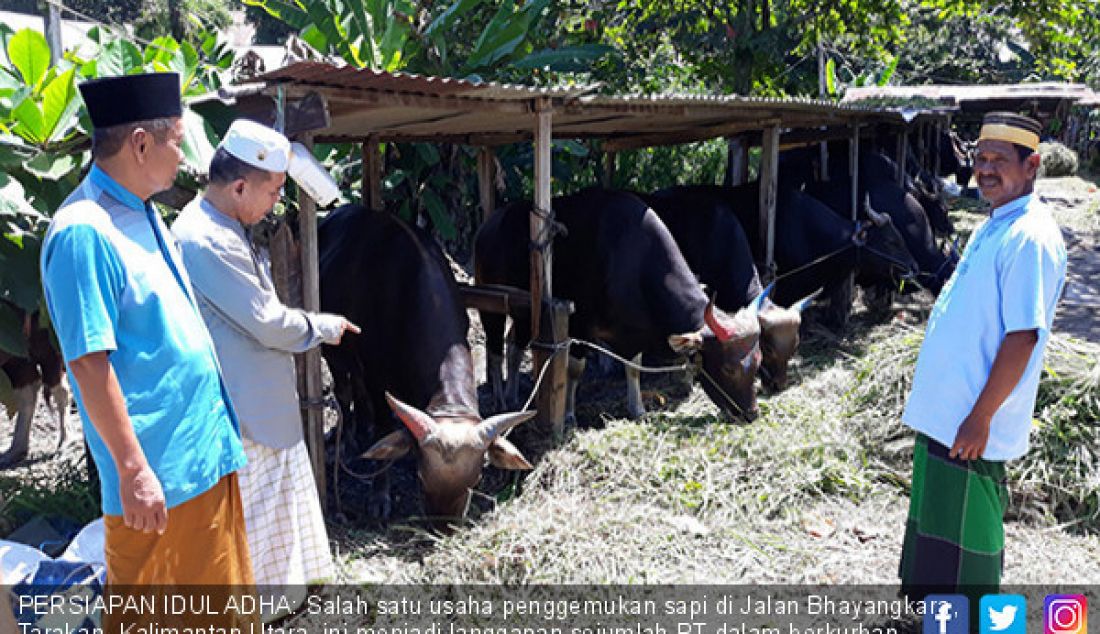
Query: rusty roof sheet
x=958, y=94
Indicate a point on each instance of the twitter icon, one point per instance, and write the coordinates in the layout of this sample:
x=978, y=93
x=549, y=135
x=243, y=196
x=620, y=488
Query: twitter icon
x=1003, y=614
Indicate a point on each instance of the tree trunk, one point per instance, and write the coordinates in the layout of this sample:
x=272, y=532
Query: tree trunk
x=175, y=23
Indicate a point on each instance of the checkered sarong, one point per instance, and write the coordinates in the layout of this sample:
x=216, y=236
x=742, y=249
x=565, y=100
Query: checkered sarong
x=954, y=537
x=286, y=531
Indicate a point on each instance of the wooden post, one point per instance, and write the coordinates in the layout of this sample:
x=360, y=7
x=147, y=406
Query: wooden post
x=769, y=179
x=853, y=169
x=903, y=145
x=486, y=181
x=541, y=262
x=938, y=133
x=610, y=162
x=372, y=174
x=310, y=392
x=737, y=161
x=548, y=327
x=823, y=94
x=52, y=18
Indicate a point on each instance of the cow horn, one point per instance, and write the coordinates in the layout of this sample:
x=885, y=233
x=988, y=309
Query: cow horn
x=879, y=219
x=419, y=423
x=801, y=304
x=495, y=426
x=714, y=321
x=758, y=303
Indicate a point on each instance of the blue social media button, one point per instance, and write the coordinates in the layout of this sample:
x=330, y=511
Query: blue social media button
x=946, y=614
x=1003, y=614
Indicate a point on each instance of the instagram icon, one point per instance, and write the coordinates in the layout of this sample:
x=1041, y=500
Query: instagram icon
x=1065, y=614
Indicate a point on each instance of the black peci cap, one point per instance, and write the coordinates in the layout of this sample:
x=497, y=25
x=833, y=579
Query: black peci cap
x=115, y=101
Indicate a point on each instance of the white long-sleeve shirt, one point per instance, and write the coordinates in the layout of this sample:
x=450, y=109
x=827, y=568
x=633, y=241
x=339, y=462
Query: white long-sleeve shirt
x=253, y=332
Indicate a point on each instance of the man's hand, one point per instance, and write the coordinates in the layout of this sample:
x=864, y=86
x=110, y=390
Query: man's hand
x=143, y=507
x=346, y=327
x=971, y=438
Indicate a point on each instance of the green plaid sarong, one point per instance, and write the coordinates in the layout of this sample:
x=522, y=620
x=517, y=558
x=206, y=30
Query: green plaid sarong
x=954, y=537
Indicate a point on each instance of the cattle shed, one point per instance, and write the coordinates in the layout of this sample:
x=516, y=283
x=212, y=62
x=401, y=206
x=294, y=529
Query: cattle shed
x=321, y=102
x=1044, y=100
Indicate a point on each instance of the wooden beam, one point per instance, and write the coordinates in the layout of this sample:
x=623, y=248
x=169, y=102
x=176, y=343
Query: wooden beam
x=52, y=19
x=372, y=174
x=494, y=298
x=737, y=160
x=937, y=138
x=310, y=387
x=703, y=133
x=769, y=179
x=486, y=181
x=407, y=100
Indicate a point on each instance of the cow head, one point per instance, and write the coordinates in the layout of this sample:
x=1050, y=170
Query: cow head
x=779, y=339
x=453, y=450
x=879, y=239
x=729, y=357
x=928, y=191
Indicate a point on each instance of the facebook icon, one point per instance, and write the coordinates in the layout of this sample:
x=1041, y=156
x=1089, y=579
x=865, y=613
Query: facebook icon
x=946, y=614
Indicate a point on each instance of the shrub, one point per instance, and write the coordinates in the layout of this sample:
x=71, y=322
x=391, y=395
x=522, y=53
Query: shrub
x=1058, y=160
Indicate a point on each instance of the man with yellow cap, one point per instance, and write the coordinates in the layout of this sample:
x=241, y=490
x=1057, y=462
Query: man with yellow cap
x=256, y=336
x=156, y=415
x=977, y=375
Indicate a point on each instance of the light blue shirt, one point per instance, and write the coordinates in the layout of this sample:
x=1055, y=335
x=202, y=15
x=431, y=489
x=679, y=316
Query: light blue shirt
x=253, y=332
x=113, y=283
x=1009, y=279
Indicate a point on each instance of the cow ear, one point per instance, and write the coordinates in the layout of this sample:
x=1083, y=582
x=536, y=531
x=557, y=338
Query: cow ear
x=391, y=447
x=504, y=455
x=686, y=342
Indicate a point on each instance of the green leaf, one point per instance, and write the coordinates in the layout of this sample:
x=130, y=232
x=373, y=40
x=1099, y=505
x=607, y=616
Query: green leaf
x=427, y=153
x=118, y=57
x=564, y=59
x=59, y=103
x=364, y=28
x=12, y=340
x=314, y=37
x=888, y=72
x=50, y=166
x=830, y=77
x=20, y=280
x=13, y=199
x=29, y=52
x=197, y=147
x=292, y=13
x=29, y=121
x=444, y=21
x=438, y=213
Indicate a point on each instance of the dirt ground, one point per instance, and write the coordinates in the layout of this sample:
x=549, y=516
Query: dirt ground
x=851, y=547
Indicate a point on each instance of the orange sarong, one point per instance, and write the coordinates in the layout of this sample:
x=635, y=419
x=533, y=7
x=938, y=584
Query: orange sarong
x=204, y=545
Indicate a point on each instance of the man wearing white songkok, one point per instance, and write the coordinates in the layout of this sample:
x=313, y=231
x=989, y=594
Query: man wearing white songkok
x=255, y=336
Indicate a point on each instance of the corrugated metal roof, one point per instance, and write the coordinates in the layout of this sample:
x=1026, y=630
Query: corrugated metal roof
x=408, y=107
x=956, y=95
x=325, y=74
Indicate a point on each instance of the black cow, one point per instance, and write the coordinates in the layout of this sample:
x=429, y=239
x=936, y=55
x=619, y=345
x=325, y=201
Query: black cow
x=815, y=248
x=412, y=357
x=631, y=289
x=935, y=266
x=42, y=369
x=877, y=173
x=716, y=248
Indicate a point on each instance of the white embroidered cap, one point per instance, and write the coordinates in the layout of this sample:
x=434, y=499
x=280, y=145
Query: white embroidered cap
x=258, y=145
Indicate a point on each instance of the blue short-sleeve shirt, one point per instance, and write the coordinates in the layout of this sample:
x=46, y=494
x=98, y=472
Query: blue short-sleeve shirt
x=115, y=282
x=1009, y=279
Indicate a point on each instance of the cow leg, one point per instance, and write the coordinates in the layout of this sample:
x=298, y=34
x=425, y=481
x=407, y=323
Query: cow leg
x=59, y=398
x=382, y=421
x=26, y=399
x=634, y=406
x=576, y=371
x=494, y=356
x=521, y=335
